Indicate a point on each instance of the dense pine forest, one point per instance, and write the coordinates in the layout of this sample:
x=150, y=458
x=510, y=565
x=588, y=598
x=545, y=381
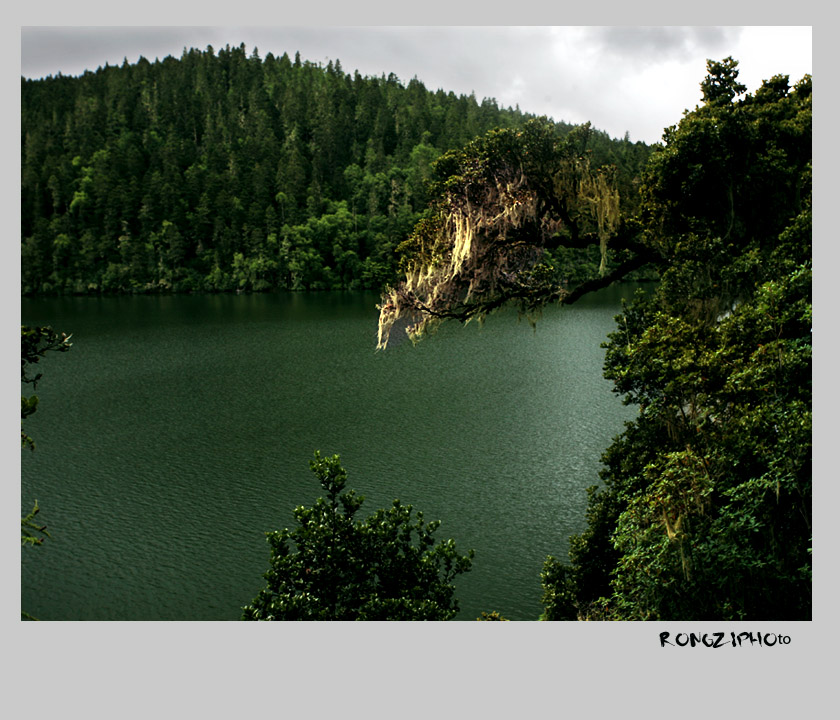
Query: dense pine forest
x=224, y=171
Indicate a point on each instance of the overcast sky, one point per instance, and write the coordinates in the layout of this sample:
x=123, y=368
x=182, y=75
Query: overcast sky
x=623, y=79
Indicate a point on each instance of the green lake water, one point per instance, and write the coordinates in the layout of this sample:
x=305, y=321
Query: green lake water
x=179, y=429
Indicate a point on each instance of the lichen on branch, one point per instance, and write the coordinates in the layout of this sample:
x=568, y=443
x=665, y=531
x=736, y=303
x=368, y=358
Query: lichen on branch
x=500, y=204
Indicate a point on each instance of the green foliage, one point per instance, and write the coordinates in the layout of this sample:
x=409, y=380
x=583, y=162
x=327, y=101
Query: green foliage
x=35, y=343
x=334, y=567
x=31, y=532
x=705, y=508
x=721, y=85
x=558, y=597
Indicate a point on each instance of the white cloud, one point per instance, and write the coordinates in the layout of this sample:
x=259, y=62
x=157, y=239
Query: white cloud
x=769, y=51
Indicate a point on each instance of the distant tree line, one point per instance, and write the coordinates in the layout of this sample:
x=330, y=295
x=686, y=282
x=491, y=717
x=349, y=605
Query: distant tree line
x=224, y=171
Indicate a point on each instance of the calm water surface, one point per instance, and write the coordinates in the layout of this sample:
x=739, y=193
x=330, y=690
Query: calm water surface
x=179, y=429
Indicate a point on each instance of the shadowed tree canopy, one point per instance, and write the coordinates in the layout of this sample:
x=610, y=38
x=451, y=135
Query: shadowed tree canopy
x=332, y=566
x=704, y=512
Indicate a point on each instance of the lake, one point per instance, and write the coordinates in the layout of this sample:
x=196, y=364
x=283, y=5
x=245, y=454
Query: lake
x=179, y=429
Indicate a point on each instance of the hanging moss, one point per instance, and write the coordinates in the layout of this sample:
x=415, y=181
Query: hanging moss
x=486, y=238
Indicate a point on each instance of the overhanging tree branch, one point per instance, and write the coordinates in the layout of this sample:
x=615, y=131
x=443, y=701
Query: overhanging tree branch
x=504, y=203
x=634, y=263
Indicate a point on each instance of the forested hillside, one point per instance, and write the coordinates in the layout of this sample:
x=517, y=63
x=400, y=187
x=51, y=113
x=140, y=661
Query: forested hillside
x=225, y=171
